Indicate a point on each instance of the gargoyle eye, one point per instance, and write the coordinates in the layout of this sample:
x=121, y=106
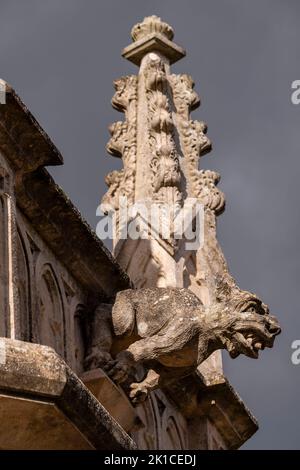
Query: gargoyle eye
x=254, y=307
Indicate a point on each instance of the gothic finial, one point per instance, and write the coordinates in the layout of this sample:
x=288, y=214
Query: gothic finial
x=152, y=35
x=154, y=160
x=151, y=24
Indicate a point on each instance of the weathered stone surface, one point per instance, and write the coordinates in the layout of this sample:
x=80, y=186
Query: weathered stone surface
x=37, y=425
x=163, y=426
x=26, y=148
x=152, y=35
x=58, y=283
x=162, y=325
x=222, y=419
x=111, y=397
x=44, y=405
x=31, y=369
x=94, y=267
x=49, y=284
x=22, y=137
x=174, y=332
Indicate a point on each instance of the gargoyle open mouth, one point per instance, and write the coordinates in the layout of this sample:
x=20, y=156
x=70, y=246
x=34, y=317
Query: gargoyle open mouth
x=253, y=335
x=250, y=345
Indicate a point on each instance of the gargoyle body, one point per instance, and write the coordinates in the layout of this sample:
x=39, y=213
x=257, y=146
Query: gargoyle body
x=171, y=332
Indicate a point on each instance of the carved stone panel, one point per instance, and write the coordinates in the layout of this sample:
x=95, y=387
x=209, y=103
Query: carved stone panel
x=51, y=319
x=24, y=291
x=8, y=296
x=3, y=270
x=163, y=426
x=52, y=304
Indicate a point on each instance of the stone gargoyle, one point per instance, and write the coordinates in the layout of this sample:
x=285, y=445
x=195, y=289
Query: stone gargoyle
x=171, y=332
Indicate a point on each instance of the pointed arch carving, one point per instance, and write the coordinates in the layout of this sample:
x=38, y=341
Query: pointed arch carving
x=24, y=286
x=50, y=321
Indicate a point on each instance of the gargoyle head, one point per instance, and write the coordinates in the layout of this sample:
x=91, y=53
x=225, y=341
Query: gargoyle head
x=245, y=325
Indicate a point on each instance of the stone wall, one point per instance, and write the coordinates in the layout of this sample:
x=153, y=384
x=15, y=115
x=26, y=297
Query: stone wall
x=53, y=304
x=41, y=302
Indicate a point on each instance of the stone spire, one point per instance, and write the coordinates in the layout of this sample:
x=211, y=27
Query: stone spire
x=161, y=148
x=159, y=145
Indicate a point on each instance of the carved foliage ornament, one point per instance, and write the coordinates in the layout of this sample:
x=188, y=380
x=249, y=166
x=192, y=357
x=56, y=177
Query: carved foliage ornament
x=123, y=143
x=195, y=143
x=164, y=161
x=175, y=142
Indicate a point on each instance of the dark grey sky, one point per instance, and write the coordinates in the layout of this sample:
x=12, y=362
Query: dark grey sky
x=62, y=56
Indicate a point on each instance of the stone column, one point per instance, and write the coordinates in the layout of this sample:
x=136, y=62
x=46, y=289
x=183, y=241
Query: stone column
x=9, y=305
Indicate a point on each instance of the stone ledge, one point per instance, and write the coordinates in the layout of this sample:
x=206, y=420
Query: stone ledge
x=22, y=139
x=44, y=405
x=112, y=398
x=219, y=403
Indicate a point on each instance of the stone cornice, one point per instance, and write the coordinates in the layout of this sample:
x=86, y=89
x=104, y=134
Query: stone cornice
x=69, y=236
x=34, y=378
x=28, y=149
x=219, y=403
x=22, y=140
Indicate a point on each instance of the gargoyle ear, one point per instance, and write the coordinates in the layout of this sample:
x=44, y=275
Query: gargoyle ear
x=224, y=289
x=266, y=308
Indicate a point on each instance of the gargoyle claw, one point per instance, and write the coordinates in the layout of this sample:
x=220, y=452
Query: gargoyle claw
x=117, y=371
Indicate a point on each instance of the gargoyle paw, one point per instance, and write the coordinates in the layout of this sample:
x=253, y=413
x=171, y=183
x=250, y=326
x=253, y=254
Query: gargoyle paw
x=117, y=370
x=96, y=359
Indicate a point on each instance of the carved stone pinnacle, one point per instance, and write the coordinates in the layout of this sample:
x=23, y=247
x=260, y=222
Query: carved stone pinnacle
x=151, y=24
x=152, y=35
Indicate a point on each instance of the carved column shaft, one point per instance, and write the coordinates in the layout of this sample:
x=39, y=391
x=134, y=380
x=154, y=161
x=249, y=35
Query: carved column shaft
x=9, y=301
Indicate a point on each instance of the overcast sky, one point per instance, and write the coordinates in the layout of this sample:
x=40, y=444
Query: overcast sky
x=62, y=56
